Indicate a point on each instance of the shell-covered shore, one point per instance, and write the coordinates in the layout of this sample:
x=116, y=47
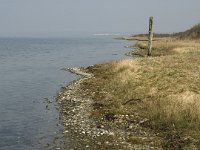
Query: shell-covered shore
x=83, y=132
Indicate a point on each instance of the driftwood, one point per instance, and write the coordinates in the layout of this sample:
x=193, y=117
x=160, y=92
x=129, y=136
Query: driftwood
x=132, y=100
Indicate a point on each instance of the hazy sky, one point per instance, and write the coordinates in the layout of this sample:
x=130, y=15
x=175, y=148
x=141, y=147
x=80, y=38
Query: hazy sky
x=61, y=17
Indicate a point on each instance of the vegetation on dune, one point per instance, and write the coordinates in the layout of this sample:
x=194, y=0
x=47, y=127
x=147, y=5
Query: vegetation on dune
x=161, y=92
x=193, y=33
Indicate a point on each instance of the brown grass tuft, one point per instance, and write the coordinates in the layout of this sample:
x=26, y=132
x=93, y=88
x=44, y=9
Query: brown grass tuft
x=126, y=64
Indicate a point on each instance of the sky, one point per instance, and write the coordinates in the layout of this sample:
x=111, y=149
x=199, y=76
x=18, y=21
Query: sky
x=63, y=17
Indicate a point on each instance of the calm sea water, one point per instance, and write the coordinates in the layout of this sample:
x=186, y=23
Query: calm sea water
x=31, y=74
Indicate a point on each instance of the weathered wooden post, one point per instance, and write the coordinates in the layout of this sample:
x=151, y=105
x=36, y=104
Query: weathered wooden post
x=150, y=37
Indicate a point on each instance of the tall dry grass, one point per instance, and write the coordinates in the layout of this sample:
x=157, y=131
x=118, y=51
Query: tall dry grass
x=167, y=46
x=170, y=84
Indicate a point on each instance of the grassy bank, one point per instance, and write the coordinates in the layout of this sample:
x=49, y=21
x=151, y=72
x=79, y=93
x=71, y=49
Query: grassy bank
x=167, y=46
x=162, y=92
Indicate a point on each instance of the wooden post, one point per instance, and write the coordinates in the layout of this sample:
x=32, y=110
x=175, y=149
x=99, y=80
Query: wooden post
x=150, y=37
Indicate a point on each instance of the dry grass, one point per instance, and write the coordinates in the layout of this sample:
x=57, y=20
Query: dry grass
x=164, y=89
x=167, y=46
x=180, y=106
